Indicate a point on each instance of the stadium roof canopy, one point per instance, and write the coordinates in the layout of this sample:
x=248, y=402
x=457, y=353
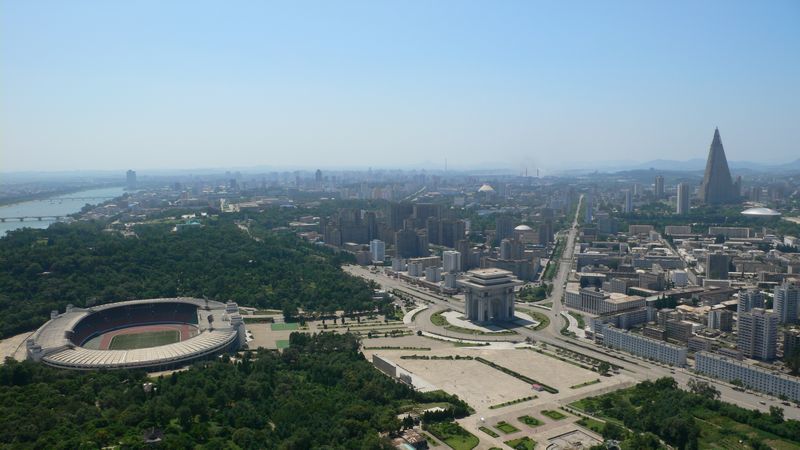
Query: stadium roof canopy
x=58, y=350
x=760, y=212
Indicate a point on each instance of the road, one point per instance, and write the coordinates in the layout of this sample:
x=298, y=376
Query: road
x=635, y=367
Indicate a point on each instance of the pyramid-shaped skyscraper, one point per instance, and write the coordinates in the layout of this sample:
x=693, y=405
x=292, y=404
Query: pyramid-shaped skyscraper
x=717, y=187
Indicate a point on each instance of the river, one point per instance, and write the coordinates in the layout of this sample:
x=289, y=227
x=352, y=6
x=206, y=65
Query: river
x=58, y=205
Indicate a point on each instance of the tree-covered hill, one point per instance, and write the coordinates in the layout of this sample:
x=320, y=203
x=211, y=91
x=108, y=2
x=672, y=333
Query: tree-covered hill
x=42, y=270
x=319, y=393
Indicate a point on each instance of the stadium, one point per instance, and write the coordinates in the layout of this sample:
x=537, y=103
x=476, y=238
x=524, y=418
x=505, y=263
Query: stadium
x=154, y=334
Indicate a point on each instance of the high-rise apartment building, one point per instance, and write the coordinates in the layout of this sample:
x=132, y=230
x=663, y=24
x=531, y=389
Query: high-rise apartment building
x=422, y=211
x=130, y=180
x=749, y=299
x=504, y=227
x=451, y=231
x=627, y=207
x=589, y=200
x=786, y=299
x=659, y=187
x=377, y=249
x=717, y=265
x=758, y=334
x=398, y=213
x=451, y=261
x=683, y=199
x=720, y=319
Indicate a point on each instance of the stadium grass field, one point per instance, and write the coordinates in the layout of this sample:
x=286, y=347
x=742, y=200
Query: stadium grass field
x=285, y=326
x=144, y=340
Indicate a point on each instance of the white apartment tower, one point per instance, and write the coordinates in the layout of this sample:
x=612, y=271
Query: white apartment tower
x=758, y=334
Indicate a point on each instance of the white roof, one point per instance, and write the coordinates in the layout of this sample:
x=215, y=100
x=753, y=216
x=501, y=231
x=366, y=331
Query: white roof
x=59, y=351
x=205, y=343
x=766, y=212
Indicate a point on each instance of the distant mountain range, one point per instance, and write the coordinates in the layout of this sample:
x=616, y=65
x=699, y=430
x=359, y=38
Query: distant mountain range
x=690, y=165
x=700, y=164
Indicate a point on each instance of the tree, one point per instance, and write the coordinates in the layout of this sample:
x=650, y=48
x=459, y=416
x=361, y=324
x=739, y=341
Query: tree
x=289, y=311
x=613, y=431
x=603, y=368
x=776, y=414
x=703, y=389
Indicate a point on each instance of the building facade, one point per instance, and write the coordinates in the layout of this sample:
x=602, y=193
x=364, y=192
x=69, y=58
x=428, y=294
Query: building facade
x=787, y=297
x=758, y=334
x=749, y=375
x=644, y=346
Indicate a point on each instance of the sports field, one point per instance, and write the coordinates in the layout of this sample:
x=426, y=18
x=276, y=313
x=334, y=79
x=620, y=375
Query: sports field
x=284, y=326
x=144, y=340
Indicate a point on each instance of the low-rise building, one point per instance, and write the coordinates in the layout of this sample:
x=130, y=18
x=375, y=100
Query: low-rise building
x=698, y=344
x=679, y=330
x=643, y=346
x=749, y=375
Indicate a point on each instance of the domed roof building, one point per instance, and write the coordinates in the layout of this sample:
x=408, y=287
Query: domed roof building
x=760, y=212
x=523, y=227
x=486, y=188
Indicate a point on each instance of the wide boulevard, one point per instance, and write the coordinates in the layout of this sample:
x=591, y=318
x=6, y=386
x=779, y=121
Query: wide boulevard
x=635, y=367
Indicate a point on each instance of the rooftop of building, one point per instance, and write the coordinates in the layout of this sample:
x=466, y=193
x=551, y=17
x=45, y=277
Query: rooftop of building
x=615, y=297
x=760, y=212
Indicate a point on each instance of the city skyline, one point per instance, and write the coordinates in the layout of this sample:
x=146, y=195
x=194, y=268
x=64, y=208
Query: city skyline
x=157, y=86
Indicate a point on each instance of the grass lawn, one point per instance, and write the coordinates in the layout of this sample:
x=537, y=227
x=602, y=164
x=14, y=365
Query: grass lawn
x=439, y=320
x=580, y=405
x=530, y=421
x=523, y=443
x=543, y=320
x=506, y=427
x=282, y=343
x=592, y=424
x=553, y=414
x=489, y=432
x=453, y=435
x=144, y=340
x=258, y=319
x=579, y=318
x=284, y=326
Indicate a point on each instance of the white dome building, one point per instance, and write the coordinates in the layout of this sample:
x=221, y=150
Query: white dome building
x=525, y=234
x=760, y=212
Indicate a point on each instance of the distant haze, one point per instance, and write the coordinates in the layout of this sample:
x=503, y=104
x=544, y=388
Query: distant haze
x=184, y=84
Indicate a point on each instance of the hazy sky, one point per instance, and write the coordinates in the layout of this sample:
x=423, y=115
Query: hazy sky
x=191, y=84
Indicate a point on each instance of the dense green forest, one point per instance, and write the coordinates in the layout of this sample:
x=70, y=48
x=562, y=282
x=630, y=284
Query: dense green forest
x=318, y=393
x=690, y=419
x=42, y=270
